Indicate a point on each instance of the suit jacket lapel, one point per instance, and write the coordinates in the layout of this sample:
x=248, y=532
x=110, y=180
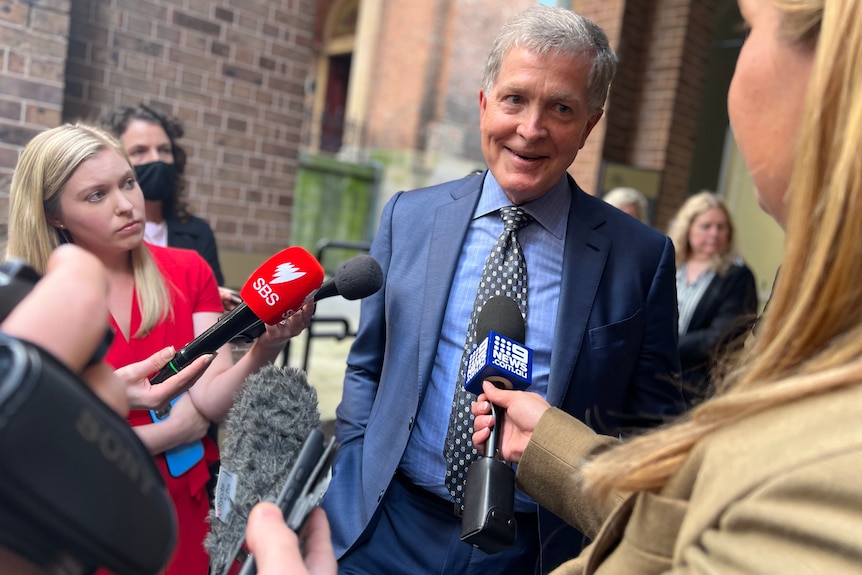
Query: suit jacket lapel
x=586, y=252
x=451, y=220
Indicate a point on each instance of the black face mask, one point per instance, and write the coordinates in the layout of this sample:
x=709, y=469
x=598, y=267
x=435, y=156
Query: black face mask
x=158, y=180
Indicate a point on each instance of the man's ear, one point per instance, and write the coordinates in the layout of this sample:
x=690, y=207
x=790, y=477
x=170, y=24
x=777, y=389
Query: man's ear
x=591, y=123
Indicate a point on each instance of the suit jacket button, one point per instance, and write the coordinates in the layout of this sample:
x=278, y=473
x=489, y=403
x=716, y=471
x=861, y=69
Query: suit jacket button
x=380, y=495
x=410, y=425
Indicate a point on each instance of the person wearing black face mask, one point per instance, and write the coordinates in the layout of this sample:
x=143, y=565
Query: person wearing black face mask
x=149, y=139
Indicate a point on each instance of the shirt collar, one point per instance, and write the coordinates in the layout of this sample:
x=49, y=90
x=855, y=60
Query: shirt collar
x=551, y=210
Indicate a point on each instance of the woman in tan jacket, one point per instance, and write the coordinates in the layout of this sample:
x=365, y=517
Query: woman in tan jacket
x=764, y=477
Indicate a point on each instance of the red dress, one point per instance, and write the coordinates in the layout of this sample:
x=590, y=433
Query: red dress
x=193, y=289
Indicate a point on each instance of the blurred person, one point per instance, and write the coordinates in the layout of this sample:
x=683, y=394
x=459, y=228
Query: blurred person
x=716, y=291
x=150, y=140
x=76, y=331
x=763, y=477
x=75, y=184
x=630, y=201
x=601, y=317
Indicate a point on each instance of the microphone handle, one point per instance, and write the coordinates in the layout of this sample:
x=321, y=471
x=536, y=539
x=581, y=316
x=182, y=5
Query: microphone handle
x=327, y=289
x=221, y=332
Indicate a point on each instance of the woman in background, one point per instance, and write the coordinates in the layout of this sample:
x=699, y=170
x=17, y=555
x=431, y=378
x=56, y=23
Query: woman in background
x=75, y=184
x=150, y=140
x=716, y=291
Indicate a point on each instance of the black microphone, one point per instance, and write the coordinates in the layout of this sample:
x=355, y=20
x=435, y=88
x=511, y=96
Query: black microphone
x=356, y=278
x=265, y=430
x=488, y=520
x=279, y=287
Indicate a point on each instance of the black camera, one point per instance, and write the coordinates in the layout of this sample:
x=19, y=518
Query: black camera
x=78, y=490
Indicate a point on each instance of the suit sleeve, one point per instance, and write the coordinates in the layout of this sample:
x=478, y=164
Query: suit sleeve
x=550, y=470
x=804, y=521
x=365, y=360
x=655, y=394
x=737, y=305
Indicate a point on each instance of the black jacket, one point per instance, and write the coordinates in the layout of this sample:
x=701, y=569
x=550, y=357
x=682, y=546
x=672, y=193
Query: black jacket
x=723, y=315
x=195, y=234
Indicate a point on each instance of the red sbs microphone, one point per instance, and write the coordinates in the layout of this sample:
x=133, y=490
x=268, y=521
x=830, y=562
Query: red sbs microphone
x=277, y=289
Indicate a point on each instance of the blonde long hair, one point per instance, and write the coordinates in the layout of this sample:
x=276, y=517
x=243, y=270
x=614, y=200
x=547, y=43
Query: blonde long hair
x=680, y=227
x=44, y=167
x=809, y=342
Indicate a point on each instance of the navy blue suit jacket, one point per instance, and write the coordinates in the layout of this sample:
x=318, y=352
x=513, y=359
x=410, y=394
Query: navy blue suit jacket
x=614, y=353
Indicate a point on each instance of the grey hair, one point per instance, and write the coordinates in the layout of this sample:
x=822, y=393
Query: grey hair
x=542, y=29
x=619, y=197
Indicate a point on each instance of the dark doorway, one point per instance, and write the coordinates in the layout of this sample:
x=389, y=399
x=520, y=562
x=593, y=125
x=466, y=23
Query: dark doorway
x=332, y=124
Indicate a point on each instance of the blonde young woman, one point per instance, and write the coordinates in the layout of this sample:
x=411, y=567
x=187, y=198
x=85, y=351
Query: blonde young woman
x=764, y=476
x=75, y=184
x=716, y=292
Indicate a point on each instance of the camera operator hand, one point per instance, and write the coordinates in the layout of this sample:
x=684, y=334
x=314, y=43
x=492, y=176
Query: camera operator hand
x=71, y=333
x=278, y=551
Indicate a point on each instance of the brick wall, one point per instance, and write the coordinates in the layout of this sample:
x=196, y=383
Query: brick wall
x=32, y=59
x=426, y=85
x=399, y=83
x=233, y=71
x=656, y=97
x=608, y=14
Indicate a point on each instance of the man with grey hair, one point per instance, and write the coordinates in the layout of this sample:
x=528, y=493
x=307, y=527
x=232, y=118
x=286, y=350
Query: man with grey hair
x=629, y=200
x=601, y=319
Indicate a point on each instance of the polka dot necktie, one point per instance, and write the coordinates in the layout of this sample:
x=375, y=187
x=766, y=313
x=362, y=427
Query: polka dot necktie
x=505, y=273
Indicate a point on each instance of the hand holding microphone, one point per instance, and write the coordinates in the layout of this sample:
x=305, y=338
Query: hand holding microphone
x=523, y=410
x=278, y=288
x=356, y=278
x=277, y=549
x=268, y=429
x=488, y=521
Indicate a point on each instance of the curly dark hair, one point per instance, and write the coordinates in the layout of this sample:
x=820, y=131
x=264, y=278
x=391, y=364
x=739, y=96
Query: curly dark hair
x=117, y=121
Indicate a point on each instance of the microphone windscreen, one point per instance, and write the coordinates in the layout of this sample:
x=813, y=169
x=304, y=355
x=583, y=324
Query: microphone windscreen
x=358, y=277
x=282, y=284
x=265, y=429
x=501, y=314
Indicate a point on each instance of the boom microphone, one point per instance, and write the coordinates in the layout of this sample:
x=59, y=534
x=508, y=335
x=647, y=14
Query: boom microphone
x=501, y=357
x=271, y=418
x=279, y=287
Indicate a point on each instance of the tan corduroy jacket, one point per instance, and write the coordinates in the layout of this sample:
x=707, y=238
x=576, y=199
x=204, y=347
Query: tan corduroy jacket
x=777, y=493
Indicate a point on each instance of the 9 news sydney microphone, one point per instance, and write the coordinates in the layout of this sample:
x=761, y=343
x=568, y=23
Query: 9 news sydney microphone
x=488, y=521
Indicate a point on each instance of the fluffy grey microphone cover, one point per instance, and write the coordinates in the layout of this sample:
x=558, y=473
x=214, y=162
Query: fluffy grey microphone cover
x=264, y=431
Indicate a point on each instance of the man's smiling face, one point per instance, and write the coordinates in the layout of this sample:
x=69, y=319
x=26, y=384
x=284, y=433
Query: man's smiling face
x=534, y=121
